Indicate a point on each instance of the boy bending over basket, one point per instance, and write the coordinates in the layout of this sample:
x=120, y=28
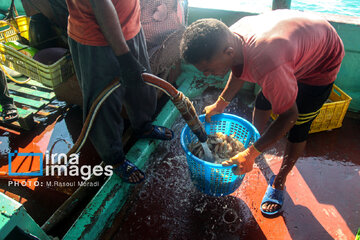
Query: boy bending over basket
x=293, y=56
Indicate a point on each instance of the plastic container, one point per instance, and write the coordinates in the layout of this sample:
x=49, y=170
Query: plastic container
x=24, y=49
x=10, y=32
x=331, y=114
x=214, y=179
x=49, y=75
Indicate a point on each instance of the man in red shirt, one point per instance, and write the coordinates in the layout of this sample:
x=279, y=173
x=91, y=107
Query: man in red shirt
x=293, y=56
x=106, y=41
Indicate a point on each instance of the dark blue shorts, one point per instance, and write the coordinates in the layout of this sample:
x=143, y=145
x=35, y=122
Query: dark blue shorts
x=309, y=101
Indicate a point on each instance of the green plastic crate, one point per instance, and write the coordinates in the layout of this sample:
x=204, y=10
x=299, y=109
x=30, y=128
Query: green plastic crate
x=49, y=75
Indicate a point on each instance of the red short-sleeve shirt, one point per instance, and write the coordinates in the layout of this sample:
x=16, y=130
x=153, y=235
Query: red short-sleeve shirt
x=83, y=28
x=284, y=47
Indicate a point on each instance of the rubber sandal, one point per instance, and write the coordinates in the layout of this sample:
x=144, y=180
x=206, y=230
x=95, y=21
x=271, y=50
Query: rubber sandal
x=9, y=113
x=158, y=132
x=272, y=195
x=125, y=170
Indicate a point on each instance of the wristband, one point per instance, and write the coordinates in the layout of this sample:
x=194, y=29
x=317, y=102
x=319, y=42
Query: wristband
x=220, y=97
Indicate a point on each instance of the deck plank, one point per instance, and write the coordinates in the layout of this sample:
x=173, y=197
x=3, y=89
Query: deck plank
x=23, y=113
x=32, y=83
x=32, y=92
x=38, y=84
x=30, y=102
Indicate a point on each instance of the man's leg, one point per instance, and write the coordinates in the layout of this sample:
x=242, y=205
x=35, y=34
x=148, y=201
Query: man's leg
x=309, y=101
x=95, y=68
x=9, y=111
x=292, y=153
x=4, y=91
x=140, y=101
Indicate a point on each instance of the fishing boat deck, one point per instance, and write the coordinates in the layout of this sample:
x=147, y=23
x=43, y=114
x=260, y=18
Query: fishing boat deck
x=322, y=191
x=321, y=199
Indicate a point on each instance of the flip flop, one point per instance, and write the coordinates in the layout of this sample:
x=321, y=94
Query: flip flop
x=158, y=132
x=9, y=113
x=272, y=195
x=125, y=170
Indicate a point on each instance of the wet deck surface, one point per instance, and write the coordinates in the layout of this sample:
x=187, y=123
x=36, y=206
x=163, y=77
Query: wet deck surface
x=321, y=199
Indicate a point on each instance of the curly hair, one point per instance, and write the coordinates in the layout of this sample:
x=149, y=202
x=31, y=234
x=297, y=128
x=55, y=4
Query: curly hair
x=202, y=39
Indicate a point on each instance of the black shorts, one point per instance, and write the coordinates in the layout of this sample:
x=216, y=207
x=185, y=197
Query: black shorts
x=309, y=100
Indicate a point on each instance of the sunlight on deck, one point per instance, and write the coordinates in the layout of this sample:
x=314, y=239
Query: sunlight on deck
x=298, y=196
x=324, y=213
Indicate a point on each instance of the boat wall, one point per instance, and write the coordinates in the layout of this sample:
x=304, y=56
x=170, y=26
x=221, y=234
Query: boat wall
x=349, y=76
x=13, y=215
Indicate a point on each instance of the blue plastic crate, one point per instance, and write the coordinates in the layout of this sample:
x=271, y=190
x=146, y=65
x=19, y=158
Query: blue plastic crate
x=214, y=179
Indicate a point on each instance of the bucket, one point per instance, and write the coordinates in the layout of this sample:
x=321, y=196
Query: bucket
x=210, y=178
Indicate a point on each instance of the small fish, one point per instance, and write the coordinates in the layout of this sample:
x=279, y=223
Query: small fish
x=222, y=146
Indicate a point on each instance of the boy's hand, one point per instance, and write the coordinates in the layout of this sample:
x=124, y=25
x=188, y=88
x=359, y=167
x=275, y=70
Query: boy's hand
x=244, y=160
x=216, y=108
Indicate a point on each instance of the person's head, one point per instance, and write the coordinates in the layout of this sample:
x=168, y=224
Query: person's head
x=205, y=44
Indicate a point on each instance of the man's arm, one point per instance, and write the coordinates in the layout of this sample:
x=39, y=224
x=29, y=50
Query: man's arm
x=245, y=159
x=110, y=26
x=232, y=87
x=278, y=128
x=108, y=20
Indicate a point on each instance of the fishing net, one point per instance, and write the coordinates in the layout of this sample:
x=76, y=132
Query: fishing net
x=167, y=56
x=163, y=22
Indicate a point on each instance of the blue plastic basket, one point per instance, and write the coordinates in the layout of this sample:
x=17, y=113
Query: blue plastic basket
x=214, y=179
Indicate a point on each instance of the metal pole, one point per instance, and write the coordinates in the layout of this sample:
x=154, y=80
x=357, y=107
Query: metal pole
x=281, y=4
